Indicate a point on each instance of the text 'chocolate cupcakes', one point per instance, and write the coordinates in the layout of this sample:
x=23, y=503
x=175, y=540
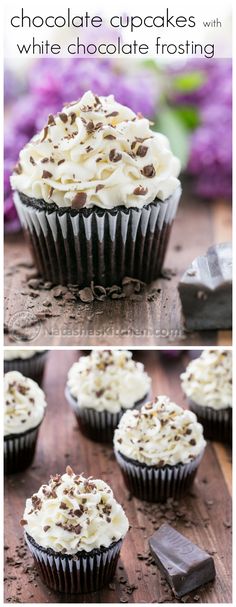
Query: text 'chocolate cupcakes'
x=101, y=387
x=159, y=449
x=97, y=192
x=74, y=529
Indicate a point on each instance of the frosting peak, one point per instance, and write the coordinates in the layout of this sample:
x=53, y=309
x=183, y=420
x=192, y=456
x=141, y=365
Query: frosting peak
x=72, y=513
x=108, y=380
x=208, y=379
x=161, y=434
x=97, y=152
x=24, y=403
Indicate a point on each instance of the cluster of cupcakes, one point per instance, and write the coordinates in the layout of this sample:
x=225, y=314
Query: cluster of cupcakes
x=73, y=525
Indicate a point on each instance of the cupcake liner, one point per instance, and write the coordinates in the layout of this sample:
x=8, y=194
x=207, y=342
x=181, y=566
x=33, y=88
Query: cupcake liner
x=30, y=367
x=97, y=425
x=217, y=424
x=19, y=450
x=100, y=245
x=157, y=484
x=82, y=573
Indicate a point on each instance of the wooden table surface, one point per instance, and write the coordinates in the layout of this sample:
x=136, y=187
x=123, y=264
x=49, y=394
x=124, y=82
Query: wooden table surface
x=152, y=318
x=204, y=515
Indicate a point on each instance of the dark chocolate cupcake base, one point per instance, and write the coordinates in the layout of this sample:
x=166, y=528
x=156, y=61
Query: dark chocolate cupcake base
x=99, y=426
x=32, y=367
x=217, y=424
x=19, y=450
x=155, y=484
x=100, y=245
x=82, y=573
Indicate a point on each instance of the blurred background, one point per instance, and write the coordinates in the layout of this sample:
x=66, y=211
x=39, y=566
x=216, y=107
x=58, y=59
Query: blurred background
x=189, y=101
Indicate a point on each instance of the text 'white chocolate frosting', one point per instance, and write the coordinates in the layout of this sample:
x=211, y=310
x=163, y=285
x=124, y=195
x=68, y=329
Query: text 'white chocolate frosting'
x=161, y=434
x=97, y=152
x=24, y=403
x=108, y=380
x=208, y=379
x=72, y=513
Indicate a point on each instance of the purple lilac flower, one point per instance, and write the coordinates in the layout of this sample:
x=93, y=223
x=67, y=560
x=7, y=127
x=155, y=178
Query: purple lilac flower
x=52, y=82
x=210, y=159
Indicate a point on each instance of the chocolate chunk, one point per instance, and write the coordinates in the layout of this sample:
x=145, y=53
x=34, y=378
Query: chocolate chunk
x=79, y=200
x=114, y=156
x=205, y=290
x=46, y=175
x=99, y=187
x=51, y=120
x=148, y=171
x=141, y=151
x=63, y=117
x=185, y=565
x=32, y=161
x=140, y=191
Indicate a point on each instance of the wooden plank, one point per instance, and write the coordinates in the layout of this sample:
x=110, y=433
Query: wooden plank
x=151, y=320
x=204, y=515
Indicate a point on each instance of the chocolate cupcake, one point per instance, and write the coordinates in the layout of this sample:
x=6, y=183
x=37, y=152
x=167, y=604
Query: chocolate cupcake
x=159, y=450
x=30, y=363
x=97, y=192
x=101, y=387
x=207, y=382
x=24, y=409
x=74, y=529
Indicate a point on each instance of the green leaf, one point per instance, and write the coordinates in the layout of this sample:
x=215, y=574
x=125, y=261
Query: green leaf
x=189, y=116
x=170, y=124
x=188, y=82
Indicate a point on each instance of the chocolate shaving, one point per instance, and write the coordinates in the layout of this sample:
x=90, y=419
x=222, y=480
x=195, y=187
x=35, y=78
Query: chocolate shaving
x=18, y=169
x=115, y=156
x=51, y=120
x=99, y=187
x=46, y=528
x=32, y=161
x=63, y=117
x=113, y=114
x=60, y=161
x=45, y=134
x=140, y=191
x=77, y=529
x=23, y=522
x=46, y=174
x=79, y=200
x=44, y=160
x=141, y=151
x=109, y=137
x=63, y=506
x=72, y=117
x=148, y=171
x=89, y=126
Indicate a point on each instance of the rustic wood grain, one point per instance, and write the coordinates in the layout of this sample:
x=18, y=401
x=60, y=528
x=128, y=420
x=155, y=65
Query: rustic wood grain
x=204, y=515
x=156, y=322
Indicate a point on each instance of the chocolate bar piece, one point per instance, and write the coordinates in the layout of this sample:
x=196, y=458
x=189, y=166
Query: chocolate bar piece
x=205, y=290
x=184, y=565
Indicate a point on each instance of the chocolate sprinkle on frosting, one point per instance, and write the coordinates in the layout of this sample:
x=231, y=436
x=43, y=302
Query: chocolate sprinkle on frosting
x=142, y=150
x=63, y=117
x=46, y=175
x=148, y=171
x=45, y=134
x=140, y=191
x=115, y=156
x=79, y=200
x=51, y=121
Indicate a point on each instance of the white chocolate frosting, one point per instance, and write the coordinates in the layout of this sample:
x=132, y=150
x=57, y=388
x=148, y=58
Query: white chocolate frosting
x=208, y=379
x=97, y=152
x=161, y=434
x=73, y=513
x=20, y=354
x=24, y=403
x=108, y=380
